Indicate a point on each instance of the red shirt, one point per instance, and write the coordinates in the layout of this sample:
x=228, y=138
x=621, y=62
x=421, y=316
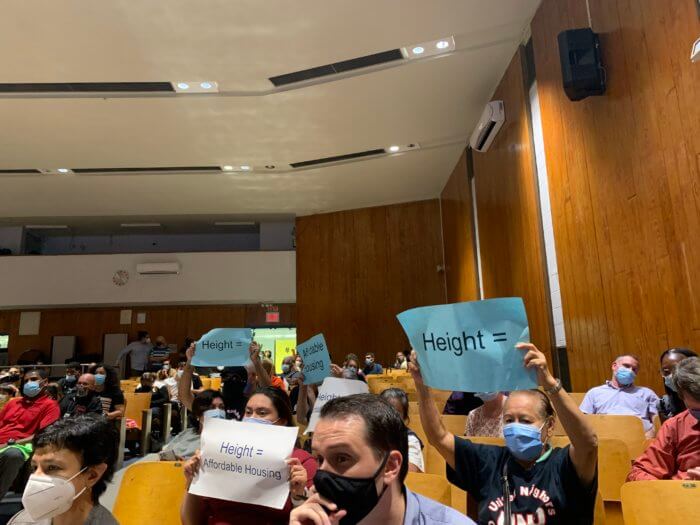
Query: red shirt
x=675, y=450
x=221, y=512
x=278, y=382
x=22, y=417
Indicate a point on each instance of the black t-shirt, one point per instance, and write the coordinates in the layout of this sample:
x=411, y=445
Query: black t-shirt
x=548, y=493
x=196, y=382
x=73, y=405
x=111, y=399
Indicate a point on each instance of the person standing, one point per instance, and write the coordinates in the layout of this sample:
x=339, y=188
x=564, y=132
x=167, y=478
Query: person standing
x=159, y=354
x=139, y=351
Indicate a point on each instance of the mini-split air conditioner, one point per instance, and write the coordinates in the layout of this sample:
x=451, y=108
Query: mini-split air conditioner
x=164, y=268
x=490, y=122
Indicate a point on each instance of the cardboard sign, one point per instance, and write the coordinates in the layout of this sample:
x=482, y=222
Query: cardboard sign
x=223, y=347
x=331, y=388
x=317, y=361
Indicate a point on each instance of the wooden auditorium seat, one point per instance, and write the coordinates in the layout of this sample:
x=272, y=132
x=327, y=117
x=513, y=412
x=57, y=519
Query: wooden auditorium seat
x=431, y=486
x=656, y=502
x=138, y=408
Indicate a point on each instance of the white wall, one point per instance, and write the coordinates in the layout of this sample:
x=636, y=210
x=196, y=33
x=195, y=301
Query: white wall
x=205, y=278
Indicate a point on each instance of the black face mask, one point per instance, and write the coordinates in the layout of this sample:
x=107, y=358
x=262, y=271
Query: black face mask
x=357, y=496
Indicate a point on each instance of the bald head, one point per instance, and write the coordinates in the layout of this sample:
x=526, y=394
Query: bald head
x=87, y=381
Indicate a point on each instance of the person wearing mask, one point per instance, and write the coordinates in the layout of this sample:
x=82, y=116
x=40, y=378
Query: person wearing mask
x=528, y=468
x=11, y=380
x=290, y=372
x=20, y=420
x=159, y=354
x=371, y=366
x=400, y=363
x=206, y=404
x=621, y=396
x=398, y=399
x=350, y=369
x=675, y=453
x=139, y=351
x=671, y=404
x=70, y=381
x=299, y=363
x=268, y=406
x=82, y=400
x=72, y=463
x=361, y=446
x=487, y=420
x=108, y=390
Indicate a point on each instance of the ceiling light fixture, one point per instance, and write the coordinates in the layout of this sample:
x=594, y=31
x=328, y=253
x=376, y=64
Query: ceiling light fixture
x=46, y=226
x=418, y=50
x=442, y=44
x=270, y=166
x=183, y=85
x=401, y=148
x=227, y=168
x=203, y=86
x=245, y=167
x=427, y=49
x=140, y=225
x=394, y=149
x=54, y=171
x=63, y=170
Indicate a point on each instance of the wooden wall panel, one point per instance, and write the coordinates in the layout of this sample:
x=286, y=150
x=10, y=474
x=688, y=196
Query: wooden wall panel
x=461, y=274
x=357, y=269
x=510, y=233
x=623, y=175
x=173, y=322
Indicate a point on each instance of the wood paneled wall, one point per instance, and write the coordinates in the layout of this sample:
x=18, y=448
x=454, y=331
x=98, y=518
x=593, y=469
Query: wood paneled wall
x=507, y=202
x=357, y=269
x=173, y=322
x=461, y=274
x=624, y=183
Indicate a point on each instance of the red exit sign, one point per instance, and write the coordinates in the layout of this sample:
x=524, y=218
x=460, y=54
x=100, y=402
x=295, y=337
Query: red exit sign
x=272, y=317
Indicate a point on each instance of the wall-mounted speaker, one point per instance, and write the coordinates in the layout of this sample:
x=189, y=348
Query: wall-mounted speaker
x=581, y=68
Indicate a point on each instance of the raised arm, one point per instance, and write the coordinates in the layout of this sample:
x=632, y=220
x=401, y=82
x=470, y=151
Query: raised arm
x=584, y=441
x=184, y=385
x=436, y=433
x=263, y=376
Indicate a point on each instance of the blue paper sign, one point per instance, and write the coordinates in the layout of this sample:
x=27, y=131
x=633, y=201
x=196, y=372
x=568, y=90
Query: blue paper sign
x=470, y=347
x=317, y=361
x=223, y=347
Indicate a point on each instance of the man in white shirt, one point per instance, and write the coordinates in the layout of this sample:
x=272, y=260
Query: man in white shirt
x=139, y=351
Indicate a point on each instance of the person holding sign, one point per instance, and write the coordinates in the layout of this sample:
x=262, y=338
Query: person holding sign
x=267, y=406
x=527, y=479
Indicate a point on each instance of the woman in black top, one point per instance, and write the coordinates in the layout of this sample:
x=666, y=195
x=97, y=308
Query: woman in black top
x=107, y=388
x=671, y=404
x=545, y=485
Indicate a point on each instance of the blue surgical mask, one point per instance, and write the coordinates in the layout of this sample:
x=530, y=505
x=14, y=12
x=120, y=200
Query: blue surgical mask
x=100, y=379
x=369, y=361
x=71, y=379
x=695, y=412
x=668, y=381
x=353, y=369
x=523, y=441
x=215, y=413
x=285, y=368
x=486, y=396
x=31, y=388
x=625, y=376
x=259, y=421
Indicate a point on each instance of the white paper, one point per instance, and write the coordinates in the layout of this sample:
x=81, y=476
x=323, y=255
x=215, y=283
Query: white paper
x=245, y=462
x=125, y=317
x=29, y=323
x=140, y=317
x=331, y=388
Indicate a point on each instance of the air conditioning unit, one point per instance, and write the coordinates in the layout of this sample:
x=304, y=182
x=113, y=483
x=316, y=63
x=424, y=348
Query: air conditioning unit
x=490, y=122
x=164, y=268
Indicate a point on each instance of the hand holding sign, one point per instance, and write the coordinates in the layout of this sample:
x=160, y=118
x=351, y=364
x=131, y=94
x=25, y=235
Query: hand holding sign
x=535, y=359
x=317, y=361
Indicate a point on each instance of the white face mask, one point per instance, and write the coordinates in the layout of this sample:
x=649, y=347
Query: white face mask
x=48, y=496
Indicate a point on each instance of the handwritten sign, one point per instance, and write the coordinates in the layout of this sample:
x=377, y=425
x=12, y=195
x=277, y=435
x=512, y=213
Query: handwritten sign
x=245, y=462
x=317, y=361
x=223, y=347
x=470, y=347
x=331, y=388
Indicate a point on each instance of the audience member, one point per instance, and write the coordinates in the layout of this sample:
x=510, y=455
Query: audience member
x=109, y=392
x=350, y=369
x=487, y=420
x=139, y=351
x=675, y=453
x=20, y=419
x=290, y=372
x=400, y=362
x=549, y=485
x=461, y=403
x=621, y=396
x=70, y=381
x=83, y=399
x=53, y=390
x=361, y=445
x=73, y=461
x=158, y=354
x=671, y=404
x=299, y=362
x=6, y=393
x=371, y=366
x=267, y=405
x=398, y=399
x=11, y=380
x=275, y=381
x=182, y=353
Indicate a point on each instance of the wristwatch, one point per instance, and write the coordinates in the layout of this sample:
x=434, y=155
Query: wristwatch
x=556, y=388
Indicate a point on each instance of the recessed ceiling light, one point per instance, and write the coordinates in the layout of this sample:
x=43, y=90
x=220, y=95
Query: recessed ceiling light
x=200, y=86
x=245, y=167
x=427, y=49
x=227, y=168
x=270, y=166
x=394, y=149
x=418, y=50
x=205, y=85
x=442, y=44
x=183, y=85
x=63, y=170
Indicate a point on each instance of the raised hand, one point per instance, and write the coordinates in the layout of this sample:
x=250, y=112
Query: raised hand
x=316, y=511
x=336, y=371
x=534, y=358
x=191, y=467
x=414, y=370
x=298, y=477
x=254, y=351
x=189, y=353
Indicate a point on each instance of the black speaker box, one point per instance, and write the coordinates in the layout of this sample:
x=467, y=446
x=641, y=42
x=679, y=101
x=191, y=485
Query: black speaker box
x=582, y=72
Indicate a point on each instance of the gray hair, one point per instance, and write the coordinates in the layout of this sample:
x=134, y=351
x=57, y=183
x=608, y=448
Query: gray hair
x=686, y=377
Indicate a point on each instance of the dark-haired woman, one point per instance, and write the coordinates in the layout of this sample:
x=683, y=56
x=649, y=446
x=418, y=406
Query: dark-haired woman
x=527, y=480
x=72, y=464
x=266, y=406
x=107, y=388
x=671, y=404
x=398, y=399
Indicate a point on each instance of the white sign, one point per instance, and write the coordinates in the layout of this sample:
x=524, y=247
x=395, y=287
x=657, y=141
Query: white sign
x=245, y=462
x=331, y=388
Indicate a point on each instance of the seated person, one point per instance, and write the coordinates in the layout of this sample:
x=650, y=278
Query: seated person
x=620, y=396
x=108, y=390
x=290, y=372
x=83, y=399
x=72, y=463
x=206, y=404
x=361, y=445
x=158, y=354
x=486, y=420
x=675, y=453
x=401, y=363
x=54, y=391
x=461, y=403
x=371, y=366
x=349, y=370
x=270, y=405
x=398, y=399
x=556, y=486
x=20, y=419
x=70, y=381
x=159, y=395
x=671, y=404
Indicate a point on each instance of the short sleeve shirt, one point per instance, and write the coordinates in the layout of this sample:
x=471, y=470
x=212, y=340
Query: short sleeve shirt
x=23, y=416
x=549, y=492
